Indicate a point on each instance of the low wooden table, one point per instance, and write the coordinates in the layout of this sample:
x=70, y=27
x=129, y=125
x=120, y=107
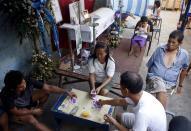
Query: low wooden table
x=84, y=103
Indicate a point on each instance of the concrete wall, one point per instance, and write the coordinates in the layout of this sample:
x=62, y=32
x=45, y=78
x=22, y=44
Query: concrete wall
x=13, y=55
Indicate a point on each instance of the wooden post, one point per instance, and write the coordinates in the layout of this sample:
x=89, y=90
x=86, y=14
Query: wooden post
x=71, y=53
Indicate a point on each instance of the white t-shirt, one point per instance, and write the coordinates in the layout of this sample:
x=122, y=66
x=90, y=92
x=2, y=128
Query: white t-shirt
x=143, y=31
x=99, y=69
x=149, y=114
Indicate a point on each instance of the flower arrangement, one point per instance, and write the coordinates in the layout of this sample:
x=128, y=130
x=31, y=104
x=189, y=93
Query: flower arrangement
x=20, y=15
x=43, y=66
x=118, y=28
x=114, y=39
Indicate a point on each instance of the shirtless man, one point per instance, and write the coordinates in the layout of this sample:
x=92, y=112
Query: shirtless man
x=166, y=64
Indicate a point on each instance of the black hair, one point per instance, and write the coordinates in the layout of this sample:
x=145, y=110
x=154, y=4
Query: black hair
x=157, y=3
x=101, y=45
x=178, y=35
x=13, y=79
x=132, y=81
x=179, y=123
x=144, y=19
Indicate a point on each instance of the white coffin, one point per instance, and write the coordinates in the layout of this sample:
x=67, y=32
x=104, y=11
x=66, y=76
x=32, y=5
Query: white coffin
x=104, y=17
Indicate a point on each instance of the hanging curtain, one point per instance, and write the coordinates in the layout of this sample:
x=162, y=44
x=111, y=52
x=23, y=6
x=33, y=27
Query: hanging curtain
x=136, y=7
x=89, y=5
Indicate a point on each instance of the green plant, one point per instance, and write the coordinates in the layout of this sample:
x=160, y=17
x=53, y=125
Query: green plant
x=114, y=39
x=43, y=66
x=20, y=15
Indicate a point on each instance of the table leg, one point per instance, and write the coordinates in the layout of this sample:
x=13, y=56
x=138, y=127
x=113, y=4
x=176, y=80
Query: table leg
x=60, y=81
x=58, y=122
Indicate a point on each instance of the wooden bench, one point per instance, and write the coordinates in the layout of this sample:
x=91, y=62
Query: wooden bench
x=64, y=73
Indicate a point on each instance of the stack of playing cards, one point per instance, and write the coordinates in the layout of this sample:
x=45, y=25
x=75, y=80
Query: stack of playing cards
x=93, y=94
x=73, y=100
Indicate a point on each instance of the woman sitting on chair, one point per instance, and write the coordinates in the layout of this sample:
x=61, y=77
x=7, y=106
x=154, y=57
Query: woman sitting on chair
x=101, y=68
x=141, y=33
x=156, y=10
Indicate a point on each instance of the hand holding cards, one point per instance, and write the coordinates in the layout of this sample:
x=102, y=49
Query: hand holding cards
x=93, y=94
x=73, y=100
x=71, y=94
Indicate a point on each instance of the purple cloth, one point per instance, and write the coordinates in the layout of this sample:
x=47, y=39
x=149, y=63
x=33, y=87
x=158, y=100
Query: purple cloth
x=139, y=39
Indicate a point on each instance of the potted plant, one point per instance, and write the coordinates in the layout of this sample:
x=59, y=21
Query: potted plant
x=43, y=66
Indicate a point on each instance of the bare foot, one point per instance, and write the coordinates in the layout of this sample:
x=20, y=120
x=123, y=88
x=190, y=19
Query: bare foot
x=136, y=54
x=131, y=52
